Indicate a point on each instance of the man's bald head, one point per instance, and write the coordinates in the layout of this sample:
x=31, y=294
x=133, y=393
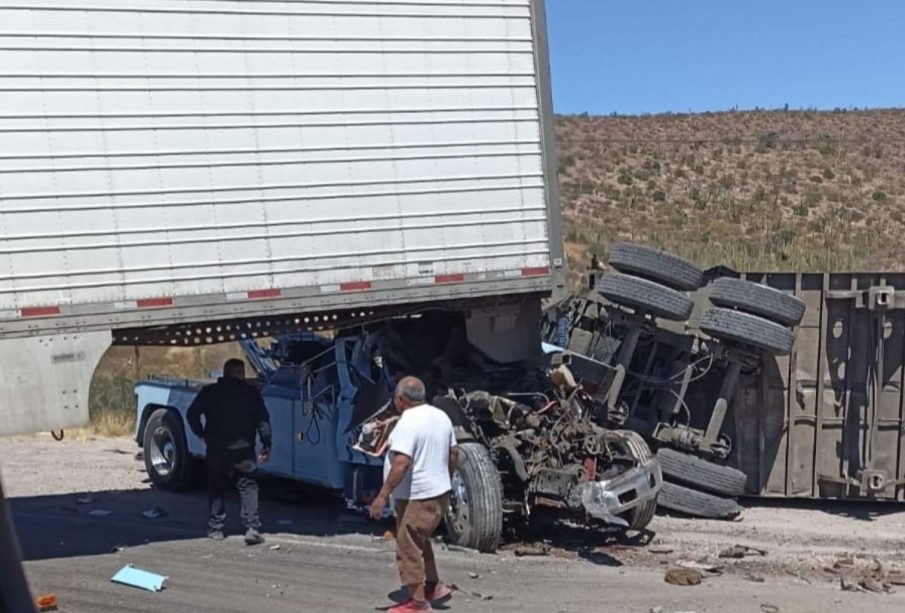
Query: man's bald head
x=410, y=392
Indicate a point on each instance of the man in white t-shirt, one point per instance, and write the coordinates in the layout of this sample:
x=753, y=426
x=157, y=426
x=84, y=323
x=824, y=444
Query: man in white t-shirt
x=419, y=465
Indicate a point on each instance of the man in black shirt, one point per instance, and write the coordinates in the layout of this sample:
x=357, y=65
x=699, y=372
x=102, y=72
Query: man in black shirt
x=234, y=414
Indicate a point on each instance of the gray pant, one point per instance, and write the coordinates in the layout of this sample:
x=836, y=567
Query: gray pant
x=222, y=467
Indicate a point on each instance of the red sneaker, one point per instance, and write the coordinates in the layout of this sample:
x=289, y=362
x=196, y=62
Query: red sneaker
x=410, y=606
x=438, y=592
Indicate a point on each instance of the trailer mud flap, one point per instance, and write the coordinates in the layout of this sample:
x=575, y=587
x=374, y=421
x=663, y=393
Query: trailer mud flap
x=46, y=380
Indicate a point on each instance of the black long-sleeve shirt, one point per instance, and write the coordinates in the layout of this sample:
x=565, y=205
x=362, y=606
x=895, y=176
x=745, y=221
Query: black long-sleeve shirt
x=234, y=412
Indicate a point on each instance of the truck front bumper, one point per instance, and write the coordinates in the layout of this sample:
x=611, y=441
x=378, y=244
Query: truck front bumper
x=610, y=498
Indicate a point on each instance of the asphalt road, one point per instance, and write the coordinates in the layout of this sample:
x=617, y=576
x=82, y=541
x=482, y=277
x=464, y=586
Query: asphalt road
x=327, y=559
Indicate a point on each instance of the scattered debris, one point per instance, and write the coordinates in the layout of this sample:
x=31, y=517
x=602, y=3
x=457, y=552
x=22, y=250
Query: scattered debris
x=766, y=607
x=136, y=577
x=276, y=547
x=119, y=548
x=700, y=566
x=840, y=562
x=896, y=578
x=46, y=602
x=797, y=576
x=740, y=551
x=474, y=575
x=457, y=548
x=478, y=595
x=661, y=550
x=100, y=513
x=683, y=577
x=755, y=578
x=532, y=550
x=85, y=500
x=154, y=512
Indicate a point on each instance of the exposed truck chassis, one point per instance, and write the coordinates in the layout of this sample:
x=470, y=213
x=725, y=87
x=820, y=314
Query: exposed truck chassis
x=547, y=453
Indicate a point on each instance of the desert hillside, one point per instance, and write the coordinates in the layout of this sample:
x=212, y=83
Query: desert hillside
x=761, y=190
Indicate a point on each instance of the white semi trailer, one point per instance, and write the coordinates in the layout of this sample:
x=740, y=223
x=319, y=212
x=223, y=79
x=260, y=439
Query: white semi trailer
x=195, y=171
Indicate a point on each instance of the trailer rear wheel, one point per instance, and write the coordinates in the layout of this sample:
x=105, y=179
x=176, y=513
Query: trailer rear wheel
x=757, y=299
x=641, y=294
x=747, y=329
x=692, y=502
x=699, y=473
x=660, y=266
x=166, y=453
x=475, y=517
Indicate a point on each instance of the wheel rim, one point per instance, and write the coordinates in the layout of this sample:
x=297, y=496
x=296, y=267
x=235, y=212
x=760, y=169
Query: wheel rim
x=457, y=517
x=162, y=452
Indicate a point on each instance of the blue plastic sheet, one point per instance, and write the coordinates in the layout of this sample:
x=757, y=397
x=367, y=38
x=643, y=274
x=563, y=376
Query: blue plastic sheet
x=136, y=577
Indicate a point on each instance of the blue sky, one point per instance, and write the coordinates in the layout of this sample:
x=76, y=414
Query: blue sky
x=649, y=56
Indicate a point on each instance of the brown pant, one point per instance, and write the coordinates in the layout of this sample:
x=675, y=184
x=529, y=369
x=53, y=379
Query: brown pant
x=416, y=521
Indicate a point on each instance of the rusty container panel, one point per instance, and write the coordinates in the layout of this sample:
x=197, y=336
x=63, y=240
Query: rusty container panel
x=827, y=421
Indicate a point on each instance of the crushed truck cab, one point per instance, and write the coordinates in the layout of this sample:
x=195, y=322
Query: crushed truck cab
x=535, y=447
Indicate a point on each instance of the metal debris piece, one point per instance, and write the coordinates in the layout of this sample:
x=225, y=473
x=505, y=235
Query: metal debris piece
x=532, y=550
x=136, y=577
x=84, y=500
x=740, y=551
x=456, y=588
x=766, y=607
x=100, y=513
x=699, y=566
x=661, y=550
x=683, y=577
x=474, y=575
x=276, y=547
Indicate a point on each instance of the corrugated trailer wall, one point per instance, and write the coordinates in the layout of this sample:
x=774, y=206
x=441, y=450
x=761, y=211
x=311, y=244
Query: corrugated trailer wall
x=171, y=160
x=827, y=421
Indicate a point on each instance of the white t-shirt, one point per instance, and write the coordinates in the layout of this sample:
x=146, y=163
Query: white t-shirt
x=425, y=434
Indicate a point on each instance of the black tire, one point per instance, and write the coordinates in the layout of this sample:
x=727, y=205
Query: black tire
x=757, y=299
x=644, y=295
x=747, y=329
x=475, y=518
x=700, y=474
x=692, y=502
x=660, y=266
x=639, y=517
x=166, y=454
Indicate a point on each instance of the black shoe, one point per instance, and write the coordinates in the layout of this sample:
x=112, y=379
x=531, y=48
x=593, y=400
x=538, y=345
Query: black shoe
x=216, y=535
x=253, y=537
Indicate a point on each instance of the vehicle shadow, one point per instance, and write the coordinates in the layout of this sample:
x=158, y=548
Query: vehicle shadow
x=102, y=522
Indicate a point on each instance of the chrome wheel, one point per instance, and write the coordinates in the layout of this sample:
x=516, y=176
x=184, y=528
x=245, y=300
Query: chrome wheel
x=457, y=516
x=162, y=451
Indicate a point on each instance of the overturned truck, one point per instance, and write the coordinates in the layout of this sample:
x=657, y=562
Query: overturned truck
x=667, y=358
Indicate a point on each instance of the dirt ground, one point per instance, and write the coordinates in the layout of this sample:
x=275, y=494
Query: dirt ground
x=798, y=557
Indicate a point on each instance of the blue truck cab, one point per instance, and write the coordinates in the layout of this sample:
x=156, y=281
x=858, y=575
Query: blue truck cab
x=317, y=391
